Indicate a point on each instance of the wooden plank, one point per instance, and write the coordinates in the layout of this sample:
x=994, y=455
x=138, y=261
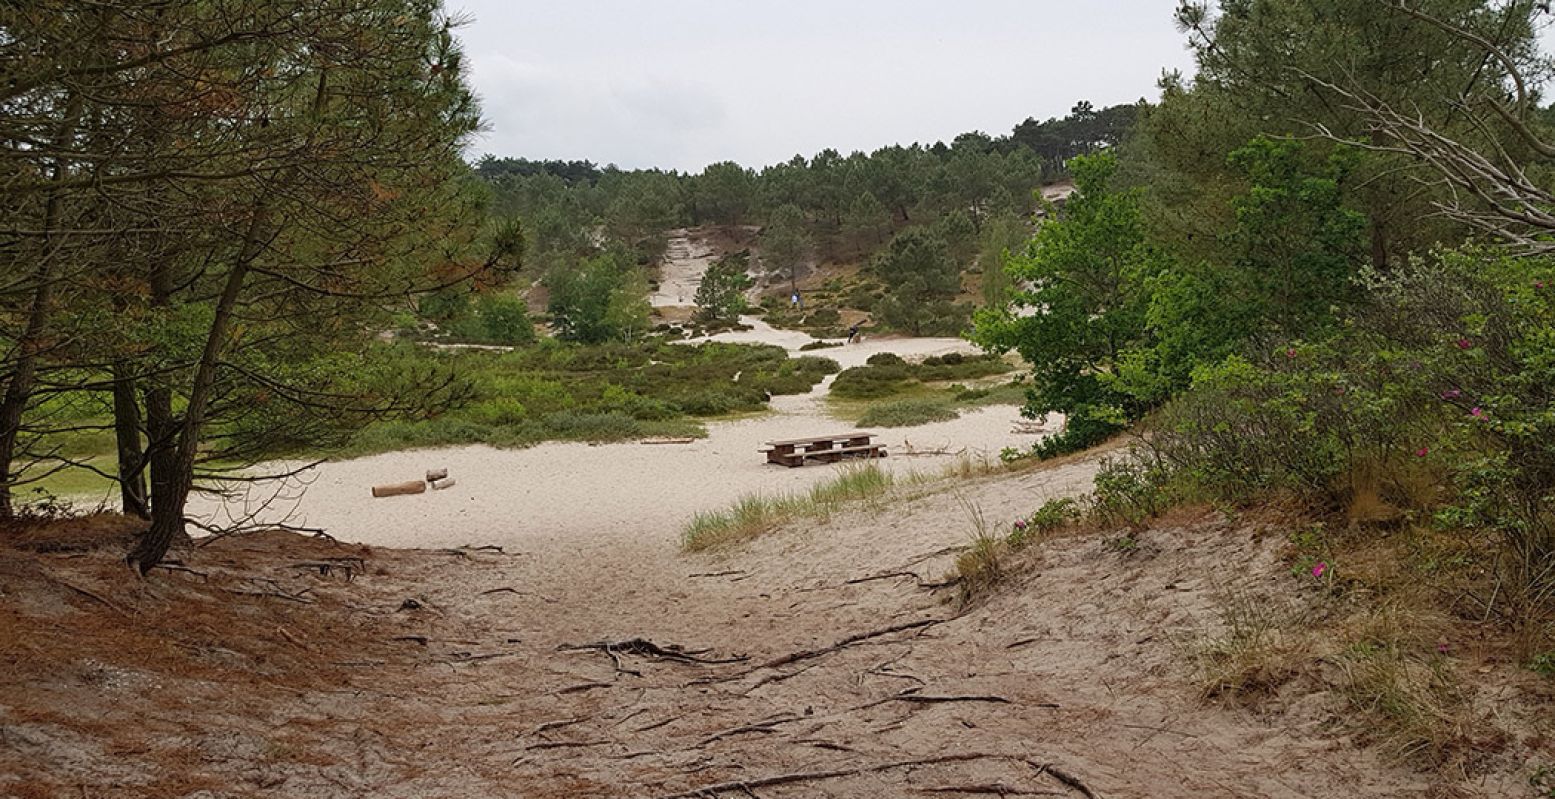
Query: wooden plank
x=815, y=439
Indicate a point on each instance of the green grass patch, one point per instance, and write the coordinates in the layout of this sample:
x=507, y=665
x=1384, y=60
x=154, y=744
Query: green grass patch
x=908, y=412
x=754, y=515
x=888, y=376
x=605, y=393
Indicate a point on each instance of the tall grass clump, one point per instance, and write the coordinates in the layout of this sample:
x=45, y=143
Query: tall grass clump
x=908, y=412
x=755, y=515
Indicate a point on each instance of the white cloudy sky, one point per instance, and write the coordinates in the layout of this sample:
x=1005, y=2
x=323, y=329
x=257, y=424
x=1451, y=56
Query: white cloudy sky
x=683, y=83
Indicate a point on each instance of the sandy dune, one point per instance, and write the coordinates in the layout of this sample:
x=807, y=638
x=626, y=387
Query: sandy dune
x=573, y=495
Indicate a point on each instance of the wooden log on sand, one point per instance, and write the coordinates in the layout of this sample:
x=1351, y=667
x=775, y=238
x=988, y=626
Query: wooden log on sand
x=441, y=483
x=434, y=475
x=397, y=489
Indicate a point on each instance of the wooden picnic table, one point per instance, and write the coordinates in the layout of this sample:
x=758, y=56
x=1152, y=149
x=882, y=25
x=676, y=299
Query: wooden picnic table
x=794, y=452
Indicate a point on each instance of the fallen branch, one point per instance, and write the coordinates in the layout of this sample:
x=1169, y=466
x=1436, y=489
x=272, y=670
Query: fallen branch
x=763, y=727
x=929, y=699
x=84, y=592
x=884, y=576
x=276, y=594
x=179, y=567
x=642, y=647
x=581, y=687
x=814, y=776
x=1064, y=777
x=564, y=745
x=996, y=788
x=775, y=678
x=514, y=591
x=327, y=568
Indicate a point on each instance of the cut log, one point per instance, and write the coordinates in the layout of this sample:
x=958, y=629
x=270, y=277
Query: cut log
x=433, y=475
x=442, y=483
x=396, y=489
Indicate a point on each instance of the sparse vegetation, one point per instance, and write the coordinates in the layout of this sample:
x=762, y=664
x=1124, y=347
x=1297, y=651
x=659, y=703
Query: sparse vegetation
x=908, y=412
x=755, y=515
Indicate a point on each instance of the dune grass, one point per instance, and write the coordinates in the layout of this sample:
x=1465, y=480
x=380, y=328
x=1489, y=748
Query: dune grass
x=754, y=515
x=908, y=412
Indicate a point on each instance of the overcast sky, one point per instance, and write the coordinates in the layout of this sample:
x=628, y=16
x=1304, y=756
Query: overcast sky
x=684, y=83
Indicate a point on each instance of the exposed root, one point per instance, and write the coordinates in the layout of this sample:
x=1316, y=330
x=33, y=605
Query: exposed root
x=851, y=640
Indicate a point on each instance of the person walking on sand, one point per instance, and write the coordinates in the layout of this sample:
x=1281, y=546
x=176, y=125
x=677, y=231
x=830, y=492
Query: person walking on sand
x=853, y=333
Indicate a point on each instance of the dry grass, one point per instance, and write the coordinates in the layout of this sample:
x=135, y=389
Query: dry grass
x=983, y=564
x=1255, y=651
x=755, y=515
x=134, y=673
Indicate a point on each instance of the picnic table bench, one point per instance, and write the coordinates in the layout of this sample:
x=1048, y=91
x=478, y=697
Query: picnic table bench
x=826, y=449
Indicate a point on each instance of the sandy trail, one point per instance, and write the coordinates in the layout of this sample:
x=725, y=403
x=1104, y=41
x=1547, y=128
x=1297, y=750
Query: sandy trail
x=849, y=665
x=685, y=260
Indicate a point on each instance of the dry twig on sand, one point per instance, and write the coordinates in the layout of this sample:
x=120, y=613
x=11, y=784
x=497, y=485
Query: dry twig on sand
x=807, y=654
x=816, y=776
x=642, y=647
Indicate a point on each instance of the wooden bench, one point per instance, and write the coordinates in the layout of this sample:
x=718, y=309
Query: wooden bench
x=826, y=449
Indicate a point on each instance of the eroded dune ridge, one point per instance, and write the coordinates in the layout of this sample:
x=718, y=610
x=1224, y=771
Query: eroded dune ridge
x=827, y=659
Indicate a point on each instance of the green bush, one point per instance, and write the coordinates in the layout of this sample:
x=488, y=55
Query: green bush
x=869, y=382
x=885, y=359
x=908, y=412
x=1129, y=491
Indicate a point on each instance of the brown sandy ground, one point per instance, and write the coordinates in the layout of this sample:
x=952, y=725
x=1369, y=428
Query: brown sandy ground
x=292, y=667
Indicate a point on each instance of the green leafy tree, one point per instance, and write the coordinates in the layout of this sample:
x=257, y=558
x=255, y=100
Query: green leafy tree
x=1082, y=303
x=601, y=299
x=496, y=318
x=720, y=295
x=786, y=244
x=866, y=223
x=922, y=282
x=725, y=192
x=1002, y=236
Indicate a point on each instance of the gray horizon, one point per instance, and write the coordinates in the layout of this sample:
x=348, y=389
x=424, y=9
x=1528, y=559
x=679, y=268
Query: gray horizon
x=680, y=84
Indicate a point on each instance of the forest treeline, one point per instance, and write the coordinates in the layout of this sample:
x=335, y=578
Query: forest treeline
x=591, y=228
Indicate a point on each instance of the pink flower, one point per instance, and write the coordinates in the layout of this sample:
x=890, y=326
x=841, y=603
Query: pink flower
x=1451, y=395
x=1291, y=353
x=1538, y=284
x=1422, y=452
x=1443, y=647
x=1477, y=412
x=1020, y=524
x=1464, y=344
x=1319, y=570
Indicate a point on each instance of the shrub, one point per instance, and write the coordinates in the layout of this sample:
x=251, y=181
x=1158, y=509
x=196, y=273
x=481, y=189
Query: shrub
x=1129, y=491
x=869, y=382
x=908, y=412
x=885, y=359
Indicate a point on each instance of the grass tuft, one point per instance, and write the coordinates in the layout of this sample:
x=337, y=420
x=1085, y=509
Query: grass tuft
x=755, y=515
x=908, y=412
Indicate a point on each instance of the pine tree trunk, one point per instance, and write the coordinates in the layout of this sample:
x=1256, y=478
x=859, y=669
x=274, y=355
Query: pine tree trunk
x=29, y=348
x=132, y=456
x=176, y=477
